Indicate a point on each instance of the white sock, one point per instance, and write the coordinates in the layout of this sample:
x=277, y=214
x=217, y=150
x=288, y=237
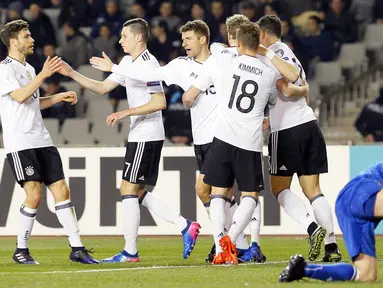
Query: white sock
x=130, y=222
x=67, y=217
x=27, y=218
x=218, y=219
x=323, y=215
x=207, y=208
x=157, y=206
x=231, y=207
x=255, y=224
x=295, y=208
x=242, y=217
x=228, y=215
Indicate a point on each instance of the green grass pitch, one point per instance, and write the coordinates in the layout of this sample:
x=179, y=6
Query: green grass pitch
x=161, y=265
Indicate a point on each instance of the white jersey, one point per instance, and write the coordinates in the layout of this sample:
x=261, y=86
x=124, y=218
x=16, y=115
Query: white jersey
x=182, y=72
x=246, y=86
x=143, y=128
x=289, y=111
x=23, y=125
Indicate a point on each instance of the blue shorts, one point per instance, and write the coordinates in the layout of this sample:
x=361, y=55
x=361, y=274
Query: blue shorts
x=354, y=209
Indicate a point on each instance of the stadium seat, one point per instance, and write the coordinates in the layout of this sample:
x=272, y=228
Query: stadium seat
x=105, y=135
x=76, y=132
x=53, y=14
x=53, y=128
x=91, y=72
x=353, y=55
x=328, y=73
x=374, y=36
x=100, y=108
x=80, y=106
x=86, y=31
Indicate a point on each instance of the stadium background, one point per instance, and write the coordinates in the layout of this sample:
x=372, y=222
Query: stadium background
x=339, y=43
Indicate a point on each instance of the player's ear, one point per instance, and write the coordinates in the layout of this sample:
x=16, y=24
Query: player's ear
x=203, y=40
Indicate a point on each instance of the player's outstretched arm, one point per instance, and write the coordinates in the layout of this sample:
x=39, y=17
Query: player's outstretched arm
x=98, y=87
x=291, y=90
x=189, y=96
x=51, y=66
x=286, y=69
x=49, y=101
x=158, y=102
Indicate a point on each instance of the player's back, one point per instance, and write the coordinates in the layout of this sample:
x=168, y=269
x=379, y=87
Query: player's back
x=23, y=125
x=246, y=87
x=289, y=111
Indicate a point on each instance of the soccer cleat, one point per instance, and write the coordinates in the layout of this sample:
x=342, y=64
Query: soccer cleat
x=219, y=259
x=295, y=270
x=22, y=256
x=316, y=240
x=331, y=255
x=189, y=236
x=211, y=255
x=121, y=257
x=229, y=248
x=256, y=253
x=244, y=255
x=83, y=256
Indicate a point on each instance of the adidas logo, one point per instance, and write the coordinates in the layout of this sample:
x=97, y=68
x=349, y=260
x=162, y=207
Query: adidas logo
x=220, y=235
x=307, y=215
x=193, y=75
x=254, y=219
x=142, y=178
x=331, y=234
x=283, y=167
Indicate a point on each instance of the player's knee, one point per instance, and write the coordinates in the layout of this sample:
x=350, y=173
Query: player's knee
x=34, y=197
x=202, y=190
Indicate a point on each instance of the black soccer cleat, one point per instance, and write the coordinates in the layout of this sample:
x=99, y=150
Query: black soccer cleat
x=82, y=256
x=331, y=253
x=295, y=270
x=316, y=239
x=22, y=256
x=211, y=255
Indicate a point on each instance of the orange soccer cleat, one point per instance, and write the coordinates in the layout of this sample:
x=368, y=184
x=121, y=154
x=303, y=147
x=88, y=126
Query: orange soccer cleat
x=229, y=248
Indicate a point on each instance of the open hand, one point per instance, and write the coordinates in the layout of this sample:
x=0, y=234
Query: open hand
x=113, y=118
x=103, y=64
x=51, y=66
x=65, y=69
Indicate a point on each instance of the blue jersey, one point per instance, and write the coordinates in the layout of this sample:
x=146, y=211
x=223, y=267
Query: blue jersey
x=355, y=211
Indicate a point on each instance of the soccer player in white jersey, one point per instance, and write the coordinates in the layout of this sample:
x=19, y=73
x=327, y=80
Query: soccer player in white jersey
x=30, y=151
x=146, y=137
x=296, y=145
x=183, y=71
x=246, y=86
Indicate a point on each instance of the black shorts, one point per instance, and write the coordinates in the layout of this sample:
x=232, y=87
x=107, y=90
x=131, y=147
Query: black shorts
x=38, y=164
x=142, y=161
x=300, y=149
x=227, y=163
x=201, y=153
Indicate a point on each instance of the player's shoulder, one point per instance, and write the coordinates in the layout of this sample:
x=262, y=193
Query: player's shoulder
x=6, y=65
x=29, y=67
x=281, y=49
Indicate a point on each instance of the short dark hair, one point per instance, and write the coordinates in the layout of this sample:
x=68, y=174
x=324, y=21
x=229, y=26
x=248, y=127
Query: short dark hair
x=11, y=30
x=271, y=24
x=139, y=26
x=233, y=23
x=199, y=27
x=248, y=35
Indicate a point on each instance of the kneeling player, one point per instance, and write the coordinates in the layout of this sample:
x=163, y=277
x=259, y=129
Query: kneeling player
x=359, y=209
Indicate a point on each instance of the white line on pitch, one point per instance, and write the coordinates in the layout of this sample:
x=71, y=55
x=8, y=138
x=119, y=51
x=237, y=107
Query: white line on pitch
x=137, y=268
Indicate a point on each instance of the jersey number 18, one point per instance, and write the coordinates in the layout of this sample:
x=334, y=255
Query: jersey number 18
x=244, y=94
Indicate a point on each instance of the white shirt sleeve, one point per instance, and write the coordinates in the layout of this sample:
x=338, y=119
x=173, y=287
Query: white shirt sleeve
x=273, y=88
x=206, y=78
x=8, y=80
x=154, y=86
x=216, y=48
x=118, y=77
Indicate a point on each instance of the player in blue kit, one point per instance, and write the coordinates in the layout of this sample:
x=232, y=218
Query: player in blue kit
x=359, y=209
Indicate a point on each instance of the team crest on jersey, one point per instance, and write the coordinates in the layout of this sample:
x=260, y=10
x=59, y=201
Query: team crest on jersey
x=29, y=75
x=280, y=53
x=29, y=170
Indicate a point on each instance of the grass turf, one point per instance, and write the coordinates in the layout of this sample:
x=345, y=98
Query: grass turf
x=161, y=265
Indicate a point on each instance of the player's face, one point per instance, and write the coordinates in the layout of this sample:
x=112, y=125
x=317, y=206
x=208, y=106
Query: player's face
x=191, y=43
x=24, y=42
x=128, y=40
